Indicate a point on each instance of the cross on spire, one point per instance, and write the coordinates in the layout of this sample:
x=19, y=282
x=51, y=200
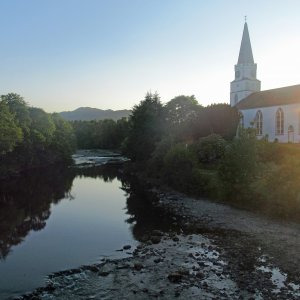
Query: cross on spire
x=245, y=19
x=245, y=56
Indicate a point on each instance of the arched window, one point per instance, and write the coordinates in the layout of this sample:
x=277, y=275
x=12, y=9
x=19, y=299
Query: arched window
x=259, y=123
x=291, y=134
x=241, y=120
x=279, y=121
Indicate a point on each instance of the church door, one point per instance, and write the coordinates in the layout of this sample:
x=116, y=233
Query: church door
x=291, y=134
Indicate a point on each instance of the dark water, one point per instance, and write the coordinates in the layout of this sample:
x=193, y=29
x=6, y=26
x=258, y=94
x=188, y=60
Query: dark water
x=56, y=219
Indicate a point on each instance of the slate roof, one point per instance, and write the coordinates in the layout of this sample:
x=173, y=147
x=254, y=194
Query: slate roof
x=275, y=97
x=245, y=55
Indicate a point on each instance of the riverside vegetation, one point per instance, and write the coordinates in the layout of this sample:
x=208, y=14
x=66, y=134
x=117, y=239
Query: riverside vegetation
x=30, y=137
x=189, y=147
x=195, y=150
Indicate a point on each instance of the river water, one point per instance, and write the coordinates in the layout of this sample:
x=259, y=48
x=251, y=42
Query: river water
x=59, y=218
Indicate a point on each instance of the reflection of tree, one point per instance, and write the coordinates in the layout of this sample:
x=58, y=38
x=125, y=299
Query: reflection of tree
x=106, y=172
x=25, y=203
x=144, y=216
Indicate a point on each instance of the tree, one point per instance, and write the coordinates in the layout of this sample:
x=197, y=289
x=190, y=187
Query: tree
x=63, y=139
x=180, y=116
x=18, y=107
x=10, y=133
x=223, y=120
x=42, y=126
x=145, y=128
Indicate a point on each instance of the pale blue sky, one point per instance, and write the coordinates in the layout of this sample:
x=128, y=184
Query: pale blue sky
x=62, y=54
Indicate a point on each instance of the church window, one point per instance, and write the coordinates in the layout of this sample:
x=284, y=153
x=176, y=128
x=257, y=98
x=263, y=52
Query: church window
x=291, y=134
x=241, y=120
x=259, y=122
x=236, y=98
x=279, y=121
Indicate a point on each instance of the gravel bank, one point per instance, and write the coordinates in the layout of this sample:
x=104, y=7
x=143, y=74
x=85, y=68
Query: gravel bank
x=218, y=252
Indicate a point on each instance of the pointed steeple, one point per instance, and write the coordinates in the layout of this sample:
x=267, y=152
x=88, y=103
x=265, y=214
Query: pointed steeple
x=245, y=81
x=245, y=56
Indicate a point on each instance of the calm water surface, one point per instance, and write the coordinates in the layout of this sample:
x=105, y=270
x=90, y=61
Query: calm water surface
x=58, y=219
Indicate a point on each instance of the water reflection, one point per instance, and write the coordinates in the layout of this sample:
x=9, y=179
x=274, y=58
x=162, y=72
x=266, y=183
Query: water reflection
x=25, y=203
x=144, y=217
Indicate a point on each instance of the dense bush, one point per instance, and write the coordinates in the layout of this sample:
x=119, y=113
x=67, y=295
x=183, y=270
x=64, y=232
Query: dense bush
x=239, y=166
x=155, y=165
x=209, y=149
x=179, y=165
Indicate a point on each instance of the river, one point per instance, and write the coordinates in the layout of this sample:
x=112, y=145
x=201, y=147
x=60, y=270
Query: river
x=58, y=218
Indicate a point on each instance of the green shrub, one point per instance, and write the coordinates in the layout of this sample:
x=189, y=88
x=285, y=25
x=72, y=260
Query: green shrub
x=156, y=163
x=209, y=149
x=179, y=163
x=239, y=166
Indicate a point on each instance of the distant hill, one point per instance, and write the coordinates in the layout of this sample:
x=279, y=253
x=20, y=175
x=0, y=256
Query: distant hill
x=89, y=113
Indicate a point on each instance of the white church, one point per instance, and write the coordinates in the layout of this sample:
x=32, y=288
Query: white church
x=275, y=113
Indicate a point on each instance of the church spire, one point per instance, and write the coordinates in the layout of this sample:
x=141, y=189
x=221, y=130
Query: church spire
x=245, y=56
x=245, y=81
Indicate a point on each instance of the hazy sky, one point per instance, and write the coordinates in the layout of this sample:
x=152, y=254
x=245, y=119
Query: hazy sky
x=62, y=54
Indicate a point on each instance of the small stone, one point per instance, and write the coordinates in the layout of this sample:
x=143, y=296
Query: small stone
x=155, y=239
x=138, y=266
x=103, y=273
x=144, y=238
x=177, y=294
x=175, y=277
x=175, y=239
x=93, y=269
x=200, y=275
x=183, y=271
x=126, y=247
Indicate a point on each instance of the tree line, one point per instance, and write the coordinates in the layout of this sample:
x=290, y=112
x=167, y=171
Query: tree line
x=182, y=119
x=30, y=137
x=204, y=151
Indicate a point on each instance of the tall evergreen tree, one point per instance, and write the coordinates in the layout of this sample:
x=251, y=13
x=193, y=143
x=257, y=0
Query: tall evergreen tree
x=145, y=128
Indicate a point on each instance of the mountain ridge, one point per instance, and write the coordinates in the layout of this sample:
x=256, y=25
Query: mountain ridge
x=90, y=113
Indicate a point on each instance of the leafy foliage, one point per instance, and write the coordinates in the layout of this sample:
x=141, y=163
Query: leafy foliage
x=179, y=164
x=30, y=137
x=239, y=165
x=10, y=132
x=180, y=115
x=104, y=134
x=145, y=128
x=209, y=149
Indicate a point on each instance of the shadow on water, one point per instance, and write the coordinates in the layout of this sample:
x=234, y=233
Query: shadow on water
x=143, y=215
x=25, y=202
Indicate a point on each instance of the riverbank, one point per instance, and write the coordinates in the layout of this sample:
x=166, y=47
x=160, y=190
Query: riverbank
x=213, y=252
